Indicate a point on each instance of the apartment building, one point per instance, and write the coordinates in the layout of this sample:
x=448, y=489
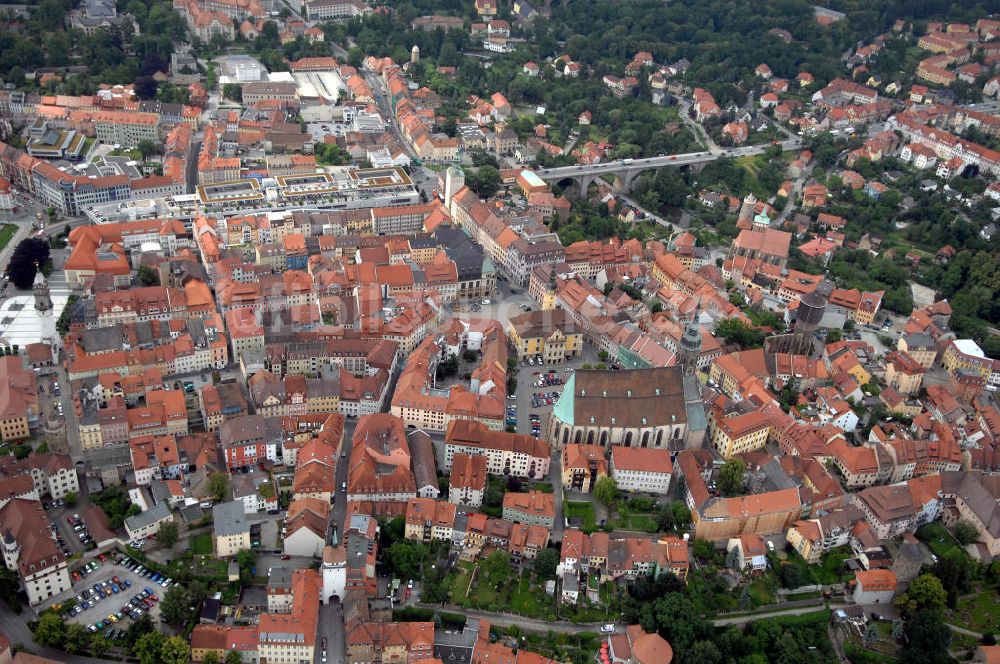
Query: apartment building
x=467, y=482
x=126, y=128
x=19, y=408
x=553, y=335
x=290, y=638
x=506, y=453
x=719, y=519
x=29, y=549
x=740, y=433
x=965, y=355
x=379, y=643
x=52, y=475
x=582, y=466
x=533, y=508
x=428, y=519
x=642, y=470
x=230, y=528
x=379, y=469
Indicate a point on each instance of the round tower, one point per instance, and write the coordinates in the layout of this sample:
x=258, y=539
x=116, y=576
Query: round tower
x=810, y=312
x=748, y=208
x=414, y=55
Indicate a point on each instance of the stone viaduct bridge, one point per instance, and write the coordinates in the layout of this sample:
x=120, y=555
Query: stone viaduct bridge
x=625, y=171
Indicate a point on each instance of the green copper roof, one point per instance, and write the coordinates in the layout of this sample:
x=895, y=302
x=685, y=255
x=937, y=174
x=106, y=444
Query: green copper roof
x=563, y=410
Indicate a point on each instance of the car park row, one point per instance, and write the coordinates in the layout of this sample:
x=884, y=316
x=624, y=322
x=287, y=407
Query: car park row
x=93, y=596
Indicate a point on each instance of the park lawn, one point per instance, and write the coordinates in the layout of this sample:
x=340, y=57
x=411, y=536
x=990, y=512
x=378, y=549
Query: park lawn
x=584, y=511
x=7, y=232
x=460, y=584
x=980, y=613
x=201, y=544
x=526, y=600
x=640, y=522
x=937, y=537
x=211, y=567
x=483, y=594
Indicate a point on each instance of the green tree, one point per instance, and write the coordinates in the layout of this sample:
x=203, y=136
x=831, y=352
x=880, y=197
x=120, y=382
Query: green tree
x=50, y=631
x=233, y=657
x=149, y=647
x=736, y=331
x=247, y=562
x=927, y=639
x=790, y=575
x=70, y=498
x=147, y=276
x=136, y=630
x=168, y=533
x=10, y=587
x=233, y=91
x=175, y=609
x=146, y=148
x=28, y=256
x=956, y=570
x=175, y=650
x=925, y=594
x=211, y=657
x=546, y=563
x=99, y=645
x=77, y=638
x=218, y=486
x=496, y=567
x=407, y=558
x=732, y=476
x=965, y=533
x=606, y=490
x=484, y=182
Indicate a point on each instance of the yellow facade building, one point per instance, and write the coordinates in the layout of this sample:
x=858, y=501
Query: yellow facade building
x=739, y=434
x=551, y=334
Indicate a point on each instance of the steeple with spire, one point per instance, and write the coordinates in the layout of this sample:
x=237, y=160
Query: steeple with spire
x=690, y=348
x=46, y=315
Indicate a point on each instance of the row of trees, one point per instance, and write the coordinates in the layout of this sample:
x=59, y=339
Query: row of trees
x=675, y=610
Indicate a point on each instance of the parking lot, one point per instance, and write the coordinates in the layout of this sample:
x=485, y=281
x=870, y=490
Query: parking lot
x=320, y=130
x=534, y=402
x=72, y=534
x=108, y=595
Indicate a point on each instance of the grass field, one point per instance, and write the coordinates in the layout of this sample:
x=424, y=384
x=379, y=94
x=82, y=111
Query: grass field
x=937, y=537
x=210, y=567
x=460, y=584
x=201, y=544
x=640, y=522
x=584, y=511
x=980, y=613
x=6, y=233
x=762, y=590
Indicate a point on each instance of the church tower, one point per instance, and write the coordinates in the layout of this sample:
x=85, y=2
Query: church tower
x=690, y=347
x=43, y=305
